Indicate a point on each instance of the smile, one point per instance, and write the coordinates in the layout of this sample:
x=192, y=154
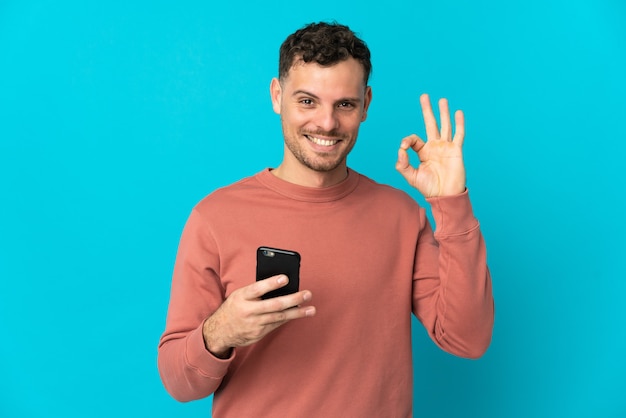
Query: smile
x=322, y=142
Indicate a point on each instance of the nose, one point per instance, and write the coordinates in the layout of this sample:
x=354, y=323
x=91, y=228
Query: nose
x=326, y=119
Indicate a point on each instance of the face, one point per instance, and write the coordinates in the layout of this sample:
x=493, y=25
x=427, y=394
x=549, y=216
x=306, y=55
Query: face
x=321, y=109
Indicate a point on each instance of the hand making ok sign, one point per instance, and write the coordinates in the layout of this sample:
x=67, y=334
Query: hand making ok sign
x=441, y=171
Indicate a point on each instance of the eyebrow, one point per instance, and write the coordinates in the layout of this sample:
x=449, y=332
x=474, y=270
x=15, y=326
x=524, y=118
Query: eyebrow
x=344, y=99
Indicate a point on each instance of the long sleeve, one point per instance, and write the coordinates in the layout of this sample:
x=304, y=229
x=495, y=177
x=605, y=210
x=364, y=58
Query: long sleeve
x=369, y=257
x=187, y=369
x=452, y=293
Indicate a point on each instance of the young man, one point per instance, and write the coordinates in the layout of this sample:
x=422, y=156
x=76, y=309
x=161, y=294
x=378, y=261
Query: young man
x=342, y=345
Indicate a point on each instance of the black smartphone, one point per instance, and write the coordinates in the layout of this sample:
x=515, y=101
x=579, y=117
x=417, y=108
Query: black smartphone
x=273, y=261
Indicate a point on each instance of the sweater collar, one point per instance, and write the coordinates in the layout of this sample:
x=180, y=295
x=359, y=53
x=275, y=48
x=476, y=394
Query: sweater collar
x=309, y=194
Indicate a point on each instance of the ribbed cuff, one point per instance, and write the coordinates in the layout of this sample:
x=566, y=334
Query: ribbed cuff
x=453, y=215
x=202, y=359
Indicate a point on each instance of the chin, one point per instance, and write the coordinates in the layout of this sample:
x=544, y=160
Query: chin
x=323, y=166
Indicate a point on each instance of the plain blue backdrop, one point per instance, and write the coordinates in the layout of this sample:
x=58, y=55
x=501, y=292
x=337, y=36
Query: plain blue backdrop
x=117, y=117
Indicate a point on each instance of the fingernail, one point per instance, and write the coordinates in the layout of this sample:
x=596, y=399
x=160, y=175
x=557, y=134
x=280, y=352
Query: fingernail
x=306, y=297
x=282, y=279
x=309, y=312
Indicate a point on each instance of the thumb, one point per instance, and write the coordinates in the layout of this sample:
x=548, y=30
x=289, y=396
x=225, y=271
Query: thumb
x=403, y=166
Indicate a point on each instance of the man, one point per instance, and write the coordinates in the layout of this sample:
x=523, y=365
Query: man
x=342, y=345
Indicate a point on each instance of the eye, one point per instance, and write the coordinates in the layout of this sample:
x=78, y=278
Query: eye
x=306, y=102
x=346, y=105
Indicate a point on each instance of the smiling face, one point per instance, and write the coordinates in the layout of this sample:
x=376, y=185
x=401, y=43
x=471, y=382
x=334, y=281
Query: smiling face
x=321, y=109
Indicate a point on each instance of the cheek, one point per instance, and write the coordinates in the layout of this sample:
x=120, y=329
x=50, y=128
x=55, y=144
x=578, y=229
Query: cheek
x=352, y=123
x=290, y=114
x=296, y=120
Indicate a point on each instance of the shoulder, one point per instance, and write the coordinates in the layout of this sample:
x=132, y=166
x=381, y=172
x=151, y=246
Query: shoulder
x=229, y=196
x=389, y=194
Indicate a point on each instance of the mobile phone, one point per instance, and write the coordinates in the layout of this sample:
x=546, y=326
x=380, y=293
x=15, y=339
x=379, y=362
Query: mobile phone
x=273, y=261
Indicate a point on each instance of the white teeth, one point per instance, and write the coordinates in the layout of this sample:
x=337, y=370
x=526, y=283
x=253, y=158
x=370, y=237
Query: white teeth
x=323, y=142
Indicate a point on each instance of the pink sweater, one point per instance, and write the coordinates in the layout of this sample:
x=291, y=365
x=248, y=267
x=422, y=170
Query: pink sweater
x=369, y=257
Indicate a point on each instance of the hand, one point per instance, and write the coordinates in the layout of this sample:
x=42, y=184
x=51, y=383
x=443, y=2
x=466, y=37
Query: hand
x=244, y=318
x=441, y=171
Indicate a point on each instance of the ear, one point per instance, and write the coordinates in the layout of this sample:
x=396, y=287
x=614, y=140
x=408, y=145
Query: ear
x=276, y=94
x=366, y=102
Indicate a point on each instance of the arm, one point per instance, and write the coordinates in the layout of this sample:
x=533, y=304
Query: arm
x=452, y=293
x=187, y=369
x=204, y=327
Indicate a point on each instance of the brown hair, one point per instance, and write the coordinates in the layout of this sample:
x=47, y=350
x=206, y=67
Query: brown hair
x=323, y=43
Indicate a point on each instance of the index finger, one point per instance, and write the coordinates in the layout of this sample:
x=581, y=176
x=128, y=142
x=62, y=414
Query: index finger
x=261, y=287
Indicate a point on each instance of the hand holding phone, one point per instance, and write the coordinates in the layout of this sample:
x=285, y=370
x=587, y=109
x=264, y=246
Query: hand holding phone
x=274, y=261
x=236, y=323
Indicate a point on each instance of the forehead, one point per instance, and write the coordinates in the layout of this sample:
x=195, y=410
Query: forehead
x=342, y=78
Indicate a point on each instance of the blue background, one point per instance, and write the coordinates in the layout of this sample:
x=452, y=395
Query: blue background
x=117, y=117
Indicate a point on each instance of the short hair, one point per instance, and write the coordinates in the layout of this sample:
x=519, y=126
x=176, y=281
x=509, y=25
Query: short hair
x=325, y=44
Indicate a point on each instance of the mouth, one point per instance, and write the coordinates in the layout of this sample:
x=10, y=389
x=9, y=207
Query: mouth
x=322, y=142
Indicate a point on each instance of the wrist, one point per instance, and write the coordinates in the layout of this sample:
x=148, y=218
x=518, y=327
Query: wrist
x=212, y=343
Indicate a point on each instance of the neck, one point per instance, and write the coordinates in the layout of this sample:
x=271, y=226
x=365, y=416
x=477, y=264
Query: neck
x=307, y=177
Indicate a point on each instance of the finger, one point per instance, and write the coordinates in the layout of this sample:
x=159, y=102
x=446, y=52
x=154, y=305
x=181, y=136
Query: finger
x=300, y=312
x=432, y=130
x=274, y=319
x=403, y=156
x=459, y=132
x=281, y=303
x=444, y=117
x=258, y=289
x=403, y=166
x=285, y=308
x=412, y=141
x=403, y=160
